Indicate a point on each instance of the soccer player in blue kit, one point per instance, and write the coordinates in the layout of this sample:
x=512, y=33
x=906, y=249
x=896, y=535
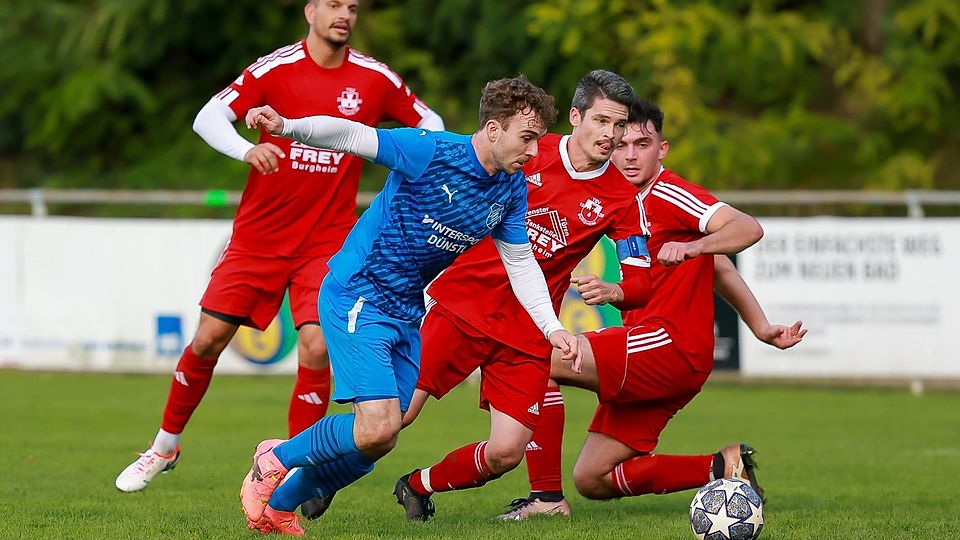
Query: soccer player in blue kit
x=445, y=193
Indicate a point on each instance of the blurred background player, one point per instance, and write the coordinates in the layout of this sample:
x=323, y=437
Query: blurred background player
x=298, y=205
x=446, y=192
x=575, y=197
x=646, y=371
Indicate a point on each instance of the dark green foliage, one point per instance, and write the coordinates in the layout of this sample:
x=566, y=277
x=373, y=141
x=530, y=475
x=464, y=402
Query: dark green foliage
x=758, y=93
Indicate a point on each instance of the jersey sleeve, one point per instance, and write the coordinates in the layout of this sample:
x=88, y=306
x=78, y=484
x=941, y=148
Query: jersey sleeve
x=632, y=221
x=513, y=228
x=243, y=94
x=407, y=151
x=404, y=106
x=691, y=205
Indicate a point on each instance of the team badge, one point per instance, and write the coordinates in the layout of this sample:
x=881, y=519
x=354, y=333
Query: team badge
x=349, y=101
x=495, y=216
x=591, y=210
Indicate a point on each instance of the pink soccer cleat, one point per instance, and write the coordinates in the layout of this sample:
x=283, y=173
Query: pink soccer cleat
x=264, y=477
x=277, y=521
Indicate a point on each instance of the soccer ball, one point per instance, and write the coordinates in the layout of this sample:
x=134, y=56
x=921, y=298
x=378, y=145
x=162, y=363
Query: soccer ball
x=726, y=509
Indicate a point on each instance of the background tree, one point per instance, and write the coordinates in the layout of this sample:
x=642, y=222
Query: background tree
x=758, y=93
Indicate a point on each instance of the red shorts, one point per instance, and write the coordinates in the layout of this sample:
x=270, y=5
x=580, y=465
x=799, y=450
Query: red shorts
x=511, y=381
x=644, y=381
x=251, y=287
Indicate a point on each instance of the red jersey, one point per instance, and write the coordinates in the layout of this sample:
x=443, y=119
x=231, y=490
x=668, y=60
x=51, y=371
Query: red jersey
x=567, y=214
x=682, y=299
x=315, y=190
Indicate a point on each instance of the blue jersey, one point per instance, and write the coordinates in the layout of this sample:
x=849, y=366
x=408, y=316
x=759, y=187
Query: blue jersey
x=437, y=202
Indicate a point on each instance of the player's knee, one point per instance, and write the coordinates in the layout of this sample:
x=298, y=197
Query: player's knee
x=208, y=345
x=313, y=353
x=379, y=437
x=589, y=483
x=501, y=459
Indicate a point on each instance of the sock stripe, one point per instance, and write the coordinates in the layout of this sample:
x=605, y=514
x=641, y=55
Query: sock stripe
x=425, y=479
x=620, y=480
x=479, y=461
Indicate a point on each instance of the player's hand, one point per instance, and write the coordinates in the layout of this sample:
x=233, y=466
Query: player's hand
x=674, y=253
x=782, y=337
x=569, y=348
x=266, y=117
x=596, y=292
x=265, y=157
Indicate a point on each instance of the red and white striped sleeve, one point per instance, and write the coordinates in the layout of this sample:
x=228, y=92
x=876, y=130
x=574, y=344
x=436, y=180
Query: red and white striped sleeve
x=693, y=205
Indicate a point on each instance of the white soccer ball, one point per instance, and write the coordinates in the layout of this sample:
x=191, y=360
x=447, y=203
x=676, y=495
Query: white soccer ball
x=726, y=509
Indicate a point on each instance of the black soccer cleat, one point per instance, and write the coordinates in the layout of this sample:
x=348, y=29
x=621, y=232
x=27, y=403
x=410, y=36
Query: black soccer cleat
x=315, y=507
x=417, y=507
x=750, y=467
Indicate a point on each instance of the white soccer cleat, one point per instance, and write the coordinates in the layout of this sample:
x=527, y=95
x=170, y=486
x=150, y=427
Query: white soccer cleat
x=521, y=509
x=139, y=473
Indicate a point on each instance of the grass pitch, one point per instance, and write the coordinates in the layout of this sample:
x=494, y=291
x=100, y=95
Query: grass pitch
x=836, y=463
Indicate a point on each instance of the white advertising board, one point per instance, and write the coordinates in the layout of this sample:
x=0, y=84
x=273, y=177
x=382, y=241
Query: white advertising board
x=880, y=297
x=9, y=278
x=117, y=294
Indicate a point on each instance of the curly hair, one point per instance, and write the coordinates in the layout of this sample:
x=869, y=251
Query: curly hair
x=503, y=98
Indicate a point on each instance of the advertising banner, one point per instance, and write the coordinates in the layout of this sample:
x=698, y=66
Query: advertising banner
x=879, y=296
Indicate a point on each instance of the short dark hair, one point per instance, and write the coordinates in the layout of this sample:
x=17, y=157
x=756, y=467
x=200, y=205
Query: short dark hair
x=503, y=98
x=644, y=110
x=602, y=83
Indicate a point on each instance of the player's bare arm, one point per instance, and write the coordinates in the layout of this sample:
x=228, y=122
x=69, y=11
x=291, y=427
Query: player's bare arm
x=265, y=157
x=569, y=348
x=729, y=231
x=265, y=117
x=597, y=292
x=730, y=285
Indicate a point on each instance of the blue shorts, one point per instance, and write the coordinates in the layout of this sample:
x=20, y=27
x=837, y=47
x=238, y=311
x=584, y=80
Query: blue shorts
x=372, y=355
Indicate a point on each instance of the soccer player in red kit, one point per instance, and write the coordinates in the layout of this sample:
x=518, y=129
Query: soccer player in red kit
x=574, y=197
x=646, y=371
x=298, y=205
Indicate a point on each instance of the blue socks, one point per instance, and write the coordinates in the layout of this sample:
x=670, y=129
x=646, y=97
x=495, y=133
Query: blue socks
x=327, y=440
x=322, y=480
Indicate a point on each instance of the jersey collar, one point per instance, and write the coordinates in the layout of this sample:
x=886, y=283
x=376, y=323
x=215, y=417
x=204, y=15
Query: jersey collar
x=576, y=175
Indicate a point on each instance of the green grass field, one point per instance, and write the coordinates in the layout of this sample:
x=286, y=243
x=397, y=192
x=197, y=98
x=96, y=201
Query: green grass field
x=835, y=463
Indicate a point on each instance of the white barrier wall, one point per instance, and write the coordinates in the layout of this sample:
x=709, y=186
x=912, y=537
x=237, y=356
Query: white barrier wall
x=109, y=294
x=880, y=296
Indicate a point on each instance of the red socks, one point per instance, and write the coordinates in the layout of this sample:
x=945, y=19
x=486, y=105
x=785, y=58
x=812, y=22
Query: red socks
x=654, y=473
x=190, y=382
x=543, y=453
x=310, y=399
x=463, y=468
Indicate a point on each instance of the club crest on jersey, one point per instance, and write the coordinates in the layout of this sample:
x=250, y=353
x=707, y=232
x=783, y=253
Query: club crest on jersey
x=591, y=211
x=349, y=101
x=495, y=216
